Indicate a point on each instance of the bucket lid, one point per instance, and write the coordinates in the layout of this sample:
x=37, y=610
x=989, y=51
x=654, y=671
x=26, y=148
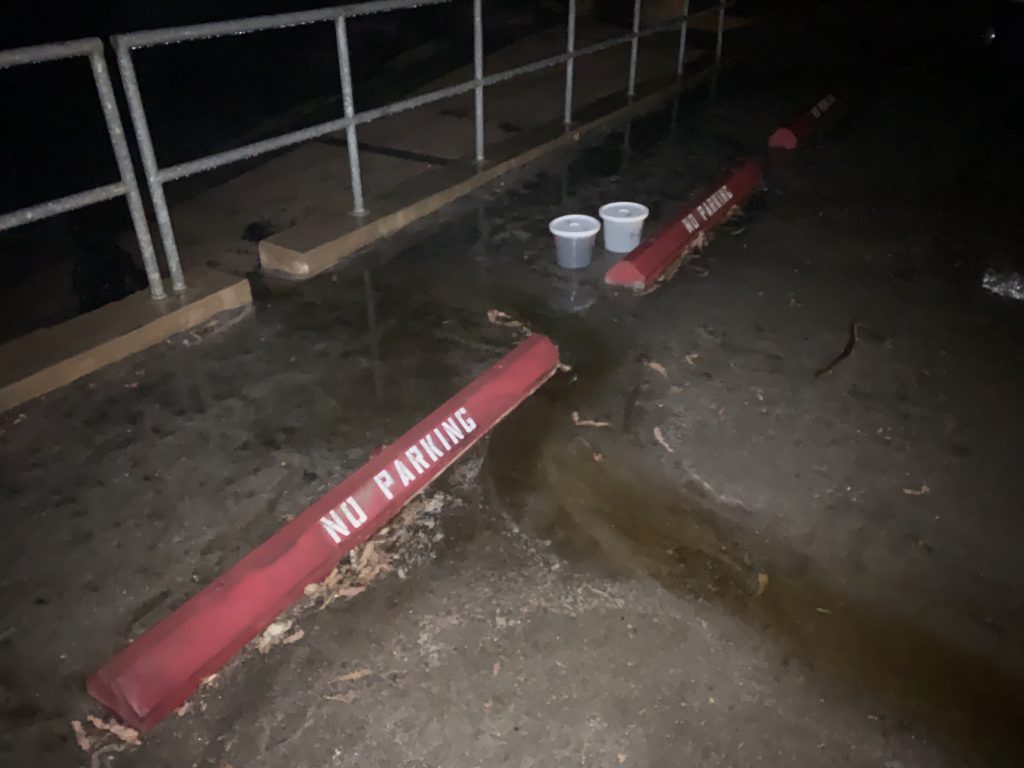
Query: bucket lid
x=574, y=225
x=624, y=212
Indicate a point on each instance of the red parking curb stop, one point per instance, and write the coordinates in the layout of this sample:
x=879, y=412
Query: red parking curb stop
x=160, y=669
x=790, y=136
x=646, y=263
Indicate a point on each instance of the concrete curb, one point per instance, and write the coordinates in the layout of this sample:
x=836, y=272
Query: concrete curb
x=156, y=673
x=650, y=260
x=309, y=249
x=50, y=358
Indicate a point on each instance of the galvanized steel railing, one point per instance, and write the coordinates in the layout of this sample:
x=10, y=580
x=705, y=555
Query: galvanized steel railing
x=91, y=48
x=157, y=177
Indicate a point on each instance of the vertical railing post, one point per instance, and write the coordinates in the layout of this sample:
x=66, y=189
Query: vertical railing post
x=721, y=32
x=681, y=59
x=718, y=49
x=140, y=126
x=478, y=74
x=349, y=106
x=112, y=117
x=570, y=48
x=633, y=49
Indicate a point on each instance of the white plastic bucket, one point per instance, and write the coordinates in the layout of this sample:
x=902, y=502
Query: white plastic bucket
x=575, y=235
x=623, y=225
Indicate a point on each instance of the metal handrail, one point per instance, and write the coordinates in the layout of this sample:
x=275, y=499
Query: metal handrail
x=157, y=177
x=171, y=35
x=91, y=48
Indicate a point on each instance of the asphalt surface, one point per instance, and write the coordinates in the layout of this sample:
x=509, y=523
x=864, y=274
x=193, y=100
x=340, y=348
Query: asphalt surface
x=822, y=571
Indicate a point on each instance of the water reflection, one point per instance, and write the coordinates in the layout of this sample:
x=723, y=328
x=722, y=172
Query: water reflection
x=371, y=325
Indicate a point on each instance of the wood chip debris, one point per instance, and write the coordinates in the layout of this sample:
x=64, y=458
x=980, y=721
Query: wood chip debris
x=762, y=583
x=587, y=422
x=691, y=359
x=824, y=611
x=657, y=368
x=357, y=674
x=82, y=739
x=294, y=637
x=347, y=592
x=661, y=440
x=128, y=735
x=273, y=635
x=497, y=317
x=917, y=491
x=598, y=457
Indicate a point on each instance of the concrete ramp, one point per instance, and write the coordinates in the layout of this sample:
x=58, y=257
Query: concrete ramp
x=49, y=358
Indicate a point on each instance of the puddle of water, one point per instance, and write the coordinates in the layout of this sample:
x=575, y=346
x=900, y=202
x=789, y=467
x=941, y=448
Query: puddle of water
x=618, y=516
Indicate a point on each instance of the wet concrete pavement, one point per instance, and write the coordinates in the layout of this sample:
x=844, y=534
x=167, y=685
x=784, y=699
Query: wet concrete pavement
x=821, y=571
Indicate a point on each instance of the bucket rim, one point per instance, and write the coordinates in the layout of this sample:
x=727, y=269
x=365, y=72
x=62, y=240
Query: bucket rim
x=585, y=226
x=634, y=212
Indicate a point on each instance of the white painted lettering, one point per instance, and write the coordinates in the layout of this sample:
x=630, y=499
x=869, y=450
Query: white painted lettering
x=433, y=452
x=384, y=482
x=354, y=512
x=823, y=106
x=444, y=442
x=335, y=527
x=416, y=460
x=465, y=420
x=452, y=430
x=404, y=474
